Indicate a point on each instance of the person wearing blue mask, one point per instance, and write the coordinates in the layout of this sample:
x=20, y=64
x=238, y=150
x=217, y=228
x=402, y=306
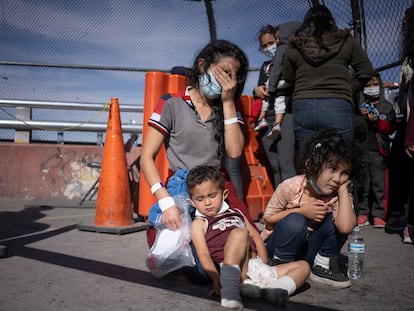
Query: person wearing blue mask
x=199, y=126
x=272, y=97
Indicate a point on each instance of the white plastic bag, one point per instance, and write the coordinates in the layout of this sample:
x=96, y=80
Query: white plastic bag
x=171, y=249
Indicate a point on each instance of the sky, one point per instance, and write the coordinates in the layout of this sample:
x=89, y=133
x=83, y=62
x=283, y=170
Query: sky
x=147, y=34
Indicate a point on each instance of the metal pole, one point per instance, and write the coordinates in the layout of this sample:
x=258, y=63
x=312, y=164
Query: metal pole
x=211, y=20
x=356, y=20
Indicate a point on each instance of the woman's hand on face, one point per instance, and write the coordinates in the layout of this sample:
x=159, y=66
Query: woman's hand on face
x=171, y=218
x=227, y=81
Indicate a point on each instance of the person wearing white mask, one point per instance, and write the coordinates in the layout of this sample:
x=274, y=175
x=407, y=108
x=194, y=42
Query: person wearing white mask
x=379, y=116
x=274, y=103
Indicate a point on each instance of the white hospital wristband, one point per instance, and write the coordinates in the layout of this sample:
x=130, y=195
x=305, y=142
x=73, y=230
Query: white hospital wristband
x=231, y=121
x=166, y=203
x=156, y=187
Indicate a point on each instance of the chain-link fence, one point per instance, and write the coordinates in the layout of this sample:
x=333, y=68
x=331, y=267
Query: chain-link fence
x=90, y=51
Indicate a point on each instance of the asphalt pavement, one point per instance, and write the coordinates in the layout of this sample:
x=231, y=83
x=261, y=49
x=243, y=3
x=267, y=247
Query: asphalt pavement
x=49, y=264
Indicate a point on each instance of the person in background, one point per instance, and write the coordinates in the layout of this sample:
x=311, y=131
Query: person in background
x=310, y=216
x=317, y=63
x=198, y=126
x=280, y=153
x=401, y=171
x=224, y=241
x=379, y=116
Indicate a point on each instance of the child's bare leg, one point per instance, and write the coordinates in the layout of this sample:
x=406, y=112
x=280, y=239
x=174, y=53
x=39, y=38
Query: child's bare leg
x=234, y=259
x=298, y=271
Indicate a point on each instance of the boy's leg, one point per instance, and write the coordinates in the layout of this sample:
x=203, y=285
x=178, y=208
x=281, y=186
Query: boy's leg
x=235, y=257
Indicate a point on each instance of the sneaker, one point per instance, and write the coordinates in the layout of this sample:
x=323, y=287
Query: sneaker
x=406, y=236
x=249, y=289
x=379, y=222
x=260, y=273
x=275, y=132
x=363, y=220
x=276, y=296
x=332, y=276
x=261, y=125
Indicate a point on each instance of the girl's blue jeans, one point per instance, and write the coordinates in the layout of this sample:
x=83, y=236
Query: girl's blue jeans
x=290, y=240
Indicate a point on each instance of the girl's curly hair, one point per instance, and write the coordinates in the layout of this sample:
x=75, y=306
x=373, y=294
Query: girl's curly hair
x=328, y=146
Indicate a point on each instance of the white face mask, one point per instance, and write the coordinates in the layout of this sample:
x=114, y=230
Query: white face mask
x=271, y=50
x=372, y=91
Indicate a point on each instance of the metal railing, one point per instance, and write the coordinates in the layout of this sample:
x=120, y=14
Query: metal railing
x=21, y=122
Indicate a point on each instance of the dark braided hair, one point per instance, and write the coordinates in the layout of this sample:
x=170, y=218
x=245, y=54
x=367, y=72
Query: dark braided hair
x=211, y=54
x=328, y=146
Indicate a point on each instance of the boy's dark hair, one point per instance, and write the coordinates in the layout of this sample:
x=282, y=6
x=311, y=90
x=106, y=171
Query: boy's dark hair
x=329, y=146
x=203, y=173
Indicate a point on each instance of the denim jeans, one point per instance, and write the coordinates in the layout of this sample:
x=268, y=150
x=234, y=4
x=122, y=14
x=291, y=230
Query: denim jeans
x=289, y=239
x=312, y=114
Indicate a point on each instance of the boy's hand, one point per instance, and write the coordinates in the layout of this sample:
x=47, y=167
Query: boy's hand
x=215, y=290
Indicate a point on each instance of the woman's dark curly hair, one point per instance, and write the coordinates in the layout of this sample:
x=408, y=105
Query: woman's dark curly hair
x=211, y=54
x=203, y=173
x=328, y=146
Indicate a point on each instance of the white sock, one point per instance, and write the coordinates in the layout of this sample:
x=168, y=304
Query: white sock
x=321, y=261
x=286, y=283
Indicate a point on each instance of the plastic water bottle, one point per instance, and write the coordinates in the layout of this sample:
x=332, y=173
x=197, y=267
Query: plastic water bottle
x=356, y=250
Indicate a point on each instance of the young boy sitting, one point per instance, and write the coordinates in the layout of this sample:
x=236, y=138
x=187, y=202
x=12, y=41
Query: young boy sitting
x=224, y=242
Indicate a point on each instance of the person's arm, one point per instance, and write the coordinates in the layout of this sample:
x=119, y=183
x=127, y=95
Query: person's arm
x=345, y=219
x=409, y=135
x=288, y=70
x=260, y=91
x=153, y=142
x=233, y=135
x=276, y=68
x=200, y=245
x=260, y=247
x=277, y=209
x=361, y=65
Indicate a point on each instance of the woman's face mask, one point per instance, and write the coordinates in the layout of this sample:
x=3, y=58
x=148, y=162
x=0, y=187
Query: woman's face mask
x=209, y=85
x=271, y=50
x=372, y=91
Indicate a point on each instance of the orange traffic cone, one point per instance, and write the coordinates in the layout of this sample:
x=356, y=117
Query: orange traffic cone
x=113, y=206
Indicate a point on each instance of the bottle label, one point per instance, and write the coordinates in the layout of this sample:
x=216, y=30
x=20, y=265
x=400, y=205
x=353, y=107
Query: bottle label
x=356, y=248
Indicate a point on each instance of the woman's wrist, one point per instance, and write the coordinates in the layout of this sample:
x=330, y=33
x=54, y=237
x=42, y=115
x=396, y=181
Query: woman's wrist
x=166, y=203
